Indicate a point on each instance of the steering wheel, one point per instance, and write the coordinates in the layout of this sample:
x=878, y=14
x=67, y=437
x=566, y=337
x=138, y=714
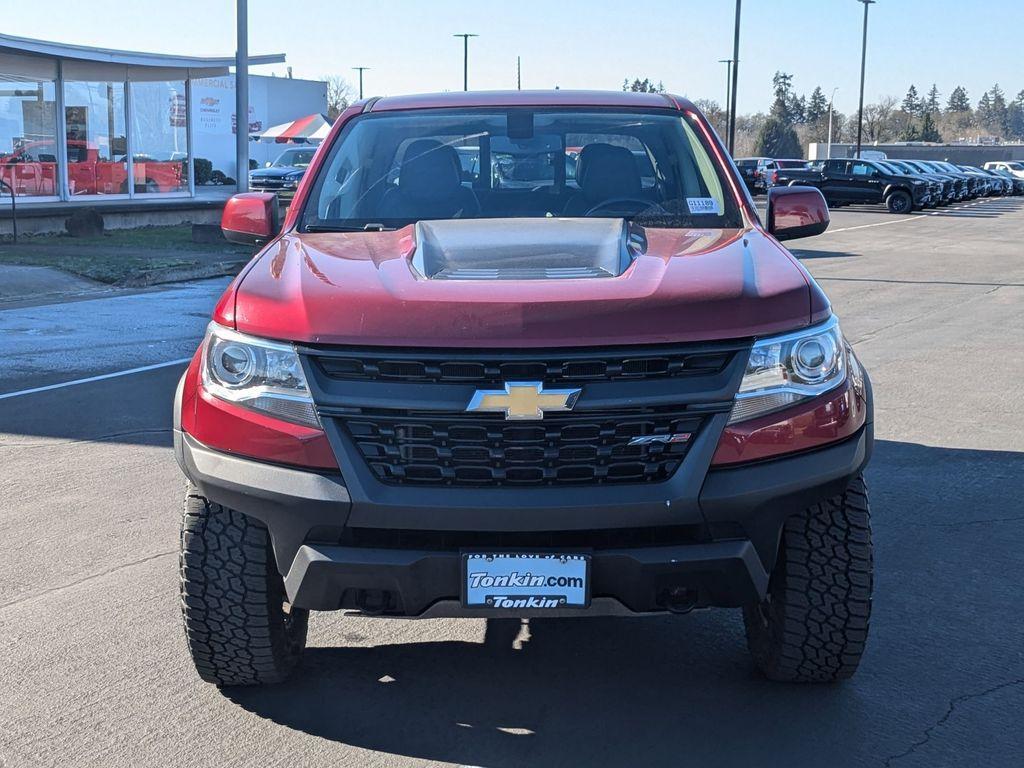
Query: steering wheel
x=617, y=203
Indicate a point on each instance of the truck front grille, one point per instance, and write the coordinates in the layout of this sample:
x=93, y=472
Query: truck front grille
x=576, y=447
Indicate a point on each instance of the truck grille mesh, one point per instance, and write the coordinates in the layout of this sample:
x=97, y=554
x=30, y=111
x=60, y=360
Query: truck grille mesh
x=576, y=447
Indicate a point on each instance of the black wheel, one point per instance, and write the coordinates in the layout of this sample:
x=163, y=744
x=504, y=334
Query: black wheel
x=813, y=624
x=239, y=626
x=899, y=201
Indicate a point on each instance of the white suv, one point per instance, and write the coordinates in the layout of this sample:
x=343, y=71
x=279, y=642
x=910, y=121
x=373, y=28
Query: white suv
x=1017, y=169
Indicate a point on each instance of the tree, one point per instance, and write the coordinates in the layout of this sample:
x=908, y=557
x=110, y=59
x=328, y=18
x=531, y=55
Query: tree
x=339, y=96
x=817, y=106
x=931, y=104
x=911, y=102
x=997, y=109
x=983, y=114
x=910, y=132
x=878, y=119
x=643, y=86
x=958, y=101
x=713, y=112
x=777, y=139
x=782, y=86
x=1015, y=117
x=928, y=130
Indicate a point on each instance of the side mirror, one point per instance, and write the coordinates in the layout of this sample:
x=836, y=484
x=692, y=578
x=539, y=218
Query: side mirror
x=251, y=218
x=267, y=164
x=796, y=212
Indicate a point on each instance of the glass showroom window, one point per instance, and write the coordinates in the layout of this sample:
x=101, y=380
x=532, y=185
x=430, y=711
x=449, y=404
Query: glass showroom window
x=28, y=136
x=96, y=139
x=159, y=126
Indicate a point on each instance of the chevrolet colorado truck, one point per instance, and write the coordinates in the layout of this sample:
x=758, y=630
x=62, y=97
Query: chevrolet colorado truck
x=845, y=181
x=431, y=395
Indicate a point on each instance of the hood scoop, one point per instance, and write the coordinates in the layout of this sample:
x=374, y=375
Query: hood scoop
x=526, y=249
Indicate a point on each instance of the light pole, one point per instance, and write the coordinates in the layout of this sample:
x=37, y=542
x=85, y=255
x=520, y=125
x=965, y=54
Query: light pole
x=728, y=87
x=465, y=58
x=360, y=70
x=242, y=96
x=863, y=60
x=828, y=152
x=735, y=78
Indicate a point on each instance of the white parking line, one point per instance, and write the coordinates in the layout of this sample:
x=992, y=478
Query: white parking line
x=115, y=374
x=905, y=218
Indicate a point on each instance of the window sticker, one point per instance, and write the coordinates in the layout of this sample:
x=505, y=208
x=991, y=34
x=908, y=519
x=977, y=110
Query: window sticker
x=705, y=205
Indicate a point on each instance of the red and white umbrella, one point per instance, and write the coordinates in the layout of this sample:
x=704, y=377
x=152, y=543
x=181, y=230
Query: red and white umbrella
x=308, y=128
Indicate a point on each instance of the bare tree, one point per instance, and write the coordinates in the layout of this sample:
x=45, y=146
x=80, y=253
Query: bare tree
x=878, y=119
x=339, y=95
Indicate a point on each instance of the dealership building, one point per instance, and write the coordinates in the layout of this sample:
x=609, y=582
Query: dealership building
x=120, y=129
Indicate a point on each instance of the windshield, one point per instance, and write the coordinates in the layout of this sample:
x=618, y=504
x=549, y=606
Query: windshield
x=1015, y=166
x=294, y=158
x=391, y=169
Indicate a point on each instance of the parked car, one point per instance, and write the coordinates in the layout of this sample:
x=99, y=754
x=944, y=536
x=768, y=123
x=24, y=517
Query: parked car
x=988, y=186
x=32, y=170
x=758, y=173
x=845, y=181
x=950, y=188
x=937, y=187
x=283, y=175
x=1017, y=181
x=1000, y=185
x=974, y=185
x=423, y=398
x=1010, y=166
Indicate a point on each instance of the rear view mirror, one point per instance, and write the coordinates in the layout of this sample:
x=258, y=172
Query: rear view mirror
x=251, y=218
x=796, y=212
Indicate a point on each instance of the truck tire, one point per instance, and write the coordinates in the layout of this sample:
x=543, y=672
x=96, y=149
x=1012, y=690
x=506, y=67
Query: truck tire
x=813, y=624
x=239, y=628
x=899, y=201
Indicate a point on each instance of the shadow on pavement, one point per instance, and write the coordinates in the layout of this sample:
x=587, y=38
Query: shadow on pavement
x=949, y=525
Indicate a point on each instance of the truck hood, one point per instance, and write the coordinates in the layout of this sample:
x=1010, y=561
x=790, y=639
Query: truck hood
x=589, y=283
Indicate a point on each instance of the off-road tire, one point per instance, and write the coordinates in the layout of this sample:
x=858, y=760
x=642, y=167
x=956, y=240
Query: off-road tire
x=813, y=624
x=899, y=201
x=239, y=629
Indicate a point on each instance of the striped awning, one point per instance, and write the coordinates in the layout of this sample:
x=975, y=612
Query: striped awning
x=308, y=128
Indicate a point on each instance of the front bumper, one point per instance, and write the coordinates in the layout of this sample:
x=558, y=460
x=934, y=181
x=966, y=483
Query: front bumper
x=728, y=553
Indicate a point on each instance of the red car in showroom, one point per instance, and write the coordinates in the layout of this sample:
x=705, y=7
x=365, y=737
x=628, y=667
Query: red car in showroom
x=430, y=395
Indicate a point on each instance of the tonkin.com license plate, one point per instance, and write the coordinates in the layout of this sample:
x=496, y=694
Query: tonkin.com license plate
x=541, y=581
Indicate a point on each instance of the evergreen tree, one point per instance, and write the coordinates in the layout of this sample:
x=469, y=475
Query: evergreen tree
x=817, y=106
x=777, y=139
x=984, y=111
x=997, y=110
x=910, y=132
x=798, y=109
x=1015, y=117
x=931, y=104
x=912, y=102
x=928, y=130
x=958, y=101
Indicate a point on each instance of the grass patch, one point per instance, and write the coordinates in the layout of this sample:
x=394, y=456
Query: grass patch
x=128, y=256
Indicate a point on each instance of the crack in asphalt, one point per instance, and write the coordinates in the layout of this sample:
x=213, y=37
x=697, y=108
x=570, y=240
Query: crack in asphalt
x=99, y=439
x=84, y=579
x=951, y=707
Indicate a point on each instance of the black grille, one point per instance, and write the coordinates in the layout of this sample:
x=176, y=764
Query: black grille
x=481, y=369
x=576, y=447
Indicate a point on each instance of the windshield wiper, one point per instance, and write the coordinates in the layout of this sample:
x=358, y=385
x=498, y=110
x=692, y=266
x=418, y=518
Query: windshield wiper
x=373, y=227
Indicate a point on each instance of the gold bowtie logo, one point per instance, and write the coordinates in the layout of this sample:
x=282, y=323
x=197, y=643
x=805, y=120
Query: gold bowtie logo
x=523, y=400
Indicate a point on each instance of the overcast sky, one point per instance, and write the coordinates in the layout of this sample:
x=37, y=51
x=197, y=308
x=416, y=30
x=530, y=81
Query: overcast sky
x=409, y=45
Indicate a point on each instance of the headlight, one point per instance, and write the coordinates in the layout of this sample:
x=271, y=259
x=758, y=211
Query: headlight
x=784, y=370
x=263, y=375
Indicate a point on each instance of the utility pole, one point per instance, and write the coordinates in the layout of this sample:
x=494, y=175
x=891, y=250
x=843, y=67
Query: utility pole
x=735, y=79
x=242, y=96
x=828, y=151
x=465, y=58
x=863, y=60
x=360, y=70
x=519, y=74
x=728, y=88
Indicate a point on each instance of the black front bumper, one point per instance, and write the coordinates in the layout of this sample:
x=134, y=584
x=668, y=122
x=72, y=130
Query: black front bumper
x=725, y=559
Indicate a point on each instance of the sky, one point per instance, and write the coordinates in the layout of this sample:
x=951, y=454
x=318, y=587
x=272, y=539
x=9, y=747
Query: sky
x=409, y=45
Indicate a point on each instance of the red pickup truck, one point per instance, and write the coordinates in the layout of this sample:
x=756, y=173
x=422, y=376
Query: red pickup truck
x=434, y=395
x=32, y=171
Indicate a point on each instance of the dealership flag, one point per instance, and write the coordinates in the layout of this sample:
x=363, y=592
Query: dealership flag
x=310, y=127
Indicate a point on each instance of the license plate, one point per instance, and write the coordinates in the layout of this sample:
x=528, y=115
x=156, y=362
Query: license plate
x=525, y=581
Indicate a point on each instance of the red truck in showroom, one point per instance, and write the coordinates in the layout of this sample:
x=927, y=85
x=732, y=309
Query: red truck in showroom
x=610, y=392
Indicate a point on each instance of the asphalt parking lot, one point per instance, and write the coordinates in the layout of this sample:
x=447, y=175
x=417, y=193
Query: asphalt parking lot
x=95, y=670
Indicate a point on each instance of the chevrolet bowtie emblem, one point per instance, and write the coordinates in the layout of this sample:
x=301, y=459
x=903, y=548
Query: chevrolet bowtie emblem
x=523, y=400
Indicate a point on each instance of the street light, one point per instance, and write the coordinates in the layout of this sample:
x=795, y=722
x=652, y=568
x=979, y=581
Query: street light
x=465, y=57
x=863, y=59
x=360, y=70
x=735, y=78
x=828, y=152
x=728, y=87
